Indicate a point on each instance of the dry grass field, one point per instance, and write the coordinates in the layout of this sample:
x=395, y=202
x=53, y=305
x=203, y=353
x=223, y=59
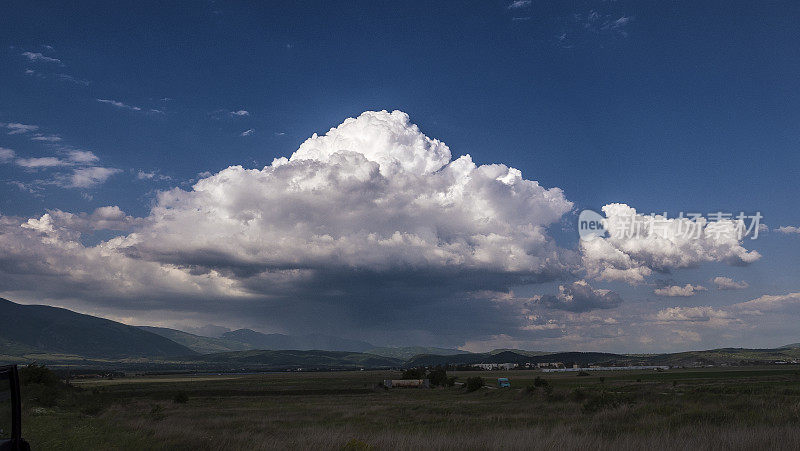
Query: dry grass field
x=755, y=408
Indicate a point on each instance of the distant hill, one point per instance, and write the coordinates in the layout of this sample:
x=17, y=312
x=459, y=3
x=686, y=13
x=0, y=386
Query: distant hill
x=197, y=343
x=407, y=352
x=791, y=346
x=301, y=359
x=258, y=340
x=41, y=329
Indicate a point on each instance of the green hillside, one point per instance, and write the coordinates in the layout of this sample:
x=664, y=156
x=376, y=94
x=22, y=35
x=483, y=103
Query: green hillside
x=197, y=343
x=41, y=329
x=407, y=352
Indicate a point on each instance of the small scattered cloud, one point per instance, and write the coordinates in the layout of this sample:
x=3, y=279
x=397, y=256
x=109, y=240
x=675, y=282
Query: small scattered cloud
x=788, y=230
x=678, y=291
x=86, y=177
x=247, y=132
x=6, y=155
x=726, y=283
x=119, y=104
x=579, y=297
x=151, y=175
x=17, y=128
x=691, y=314
x=240, y=113
x=40, y=58
x=41, y=163
x=517, y=4
x=81, y=156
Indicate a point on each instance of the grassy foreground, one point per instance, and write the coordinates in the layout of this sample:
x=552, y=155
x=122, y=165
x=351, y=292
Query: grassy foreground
x=676, y=409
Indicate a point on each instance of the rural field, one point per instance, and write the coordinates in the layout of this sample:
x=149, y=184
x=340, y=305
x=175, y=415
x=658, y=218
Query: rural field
x=712, y=408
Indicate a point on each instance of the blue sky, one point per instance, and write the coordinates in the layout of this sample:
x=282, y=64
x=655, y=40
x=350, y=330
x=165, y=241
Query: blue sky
x=663, y=106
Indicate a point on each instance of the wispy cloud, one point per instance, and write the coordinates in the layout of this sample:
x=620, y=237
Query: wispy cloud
x=119, y=104
x=240, y=113
x=517, y=4
x=789, y=230
x=6, y=155
x=17, y=128
x=151, y=175
x=87, y=177
x=46, y=138
x=38, y=57
x=71, y=79
x=247, y=132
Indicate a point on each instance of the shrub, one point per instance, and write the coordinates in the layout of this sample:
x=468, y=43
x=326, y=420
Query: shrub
x=582, y=373
x=539, y=382
x=438, y=377
x=474, y=383
x=180, y=398
x=413, y=373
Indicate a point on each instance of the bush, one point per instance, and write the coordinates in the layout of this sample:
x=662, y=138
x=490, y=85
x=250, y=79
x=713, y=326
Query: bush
x=474, y=383
x=37, y=374
x=180, y=398
x=582, y=373
x=539, y=382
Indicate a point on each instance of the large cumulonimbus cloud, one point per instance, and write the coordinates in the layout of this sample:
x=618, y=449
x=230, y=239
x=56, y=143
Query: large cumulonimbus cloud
x=372, y=225
x=373, y=194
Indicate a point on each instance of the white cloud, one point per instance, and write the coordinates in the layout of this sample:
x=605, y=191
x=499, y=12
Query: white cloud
x=17, y=128
x=87, y=177
x=41, y=163
x=247, y=132
x=691, y=314
x=6, y=155
x=660, y=245
x=726, y=283
x=119, y=104
x=678, y=291
x=770, y=303
x=789, y=230
x=102, y=218
x=38, y=57
x=240, y=113
x=579, y=297
x=81, y=156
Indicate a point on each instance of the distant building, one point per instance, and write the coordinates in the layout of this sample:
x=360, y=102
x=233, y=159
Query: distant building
x=495, y=366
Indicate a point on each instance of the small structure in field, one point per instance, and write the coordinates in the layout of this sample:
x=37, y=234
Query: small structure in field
x=503, y=382
x=407, y=383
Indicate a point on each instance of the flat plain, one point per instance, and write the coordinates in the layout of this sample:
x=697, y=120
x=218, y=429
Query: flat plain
x=707, y=408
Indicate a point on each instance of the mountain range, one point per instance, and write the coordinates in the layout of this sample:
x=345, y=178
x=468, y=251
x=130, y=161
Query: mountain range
x=44, y=334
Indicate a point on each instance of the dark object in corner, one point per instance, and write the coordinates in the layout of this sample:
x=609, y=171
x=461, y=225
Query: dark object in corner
x=11, y=411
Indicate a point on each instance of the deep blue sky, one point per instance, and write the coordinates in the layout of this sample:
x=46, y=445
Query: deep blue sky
x=694, y=102
x=665, y=106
